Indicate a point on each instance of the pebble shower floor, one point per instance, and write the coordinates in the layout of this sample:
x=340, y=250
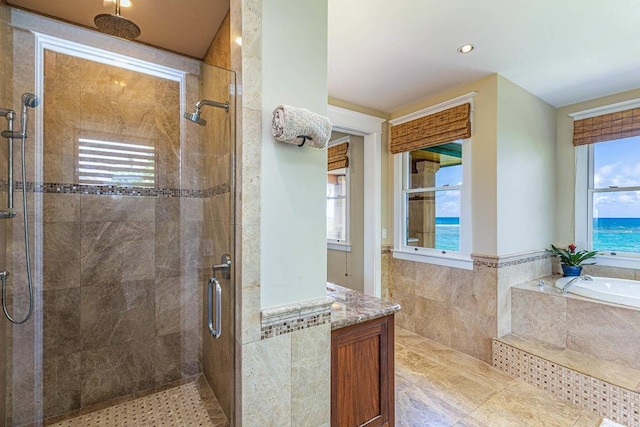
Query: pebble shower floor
x=178, y=406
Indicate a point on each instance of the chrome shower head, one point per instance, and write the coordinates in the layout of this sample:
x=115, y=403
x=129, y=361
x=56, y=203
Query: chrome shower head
x=116, y=25
x=195, y=117
x=30, y=100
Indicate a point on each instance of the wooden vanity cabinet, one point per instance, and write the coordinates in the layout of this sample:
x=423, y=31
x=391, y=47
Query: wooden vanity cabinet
x=362, y=374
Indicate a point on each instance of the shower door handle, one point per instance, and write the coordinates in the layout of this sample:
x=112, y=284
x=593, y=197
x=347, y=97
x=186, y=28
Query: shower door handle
x=214, y=331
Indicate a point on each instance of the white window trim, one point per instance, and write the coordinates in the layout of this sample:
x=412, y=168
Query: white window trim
x=347, y=226
x=583, y=217
x=369, y=127
x=461, y=259
x=344, y=247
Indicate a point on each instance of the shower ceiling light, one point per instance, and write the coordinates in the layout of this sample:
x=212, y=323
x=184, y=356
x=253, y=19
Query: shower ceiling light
x=123, y=3
x=466, y=48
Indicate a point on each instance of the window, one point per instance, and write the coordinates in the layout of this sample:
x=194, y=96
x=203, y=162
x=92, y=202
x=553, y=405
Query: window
x=115, y=163
x=337, y=207
x=432, y=198
x=613, y=196
x=607, y=183
x=433, y=205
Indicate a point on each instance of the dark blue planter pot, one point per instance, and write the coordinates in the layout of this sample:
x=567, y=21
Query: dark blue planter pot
x=571, y=270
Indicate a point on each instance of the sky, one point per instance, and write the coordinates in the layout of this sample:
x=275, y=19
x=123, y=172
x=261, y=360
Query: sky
x=617, y=163
x=448, y=202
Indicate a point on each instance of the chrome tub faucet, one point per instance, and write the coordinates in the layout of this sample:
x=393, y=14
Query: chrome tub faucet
x=567, y=285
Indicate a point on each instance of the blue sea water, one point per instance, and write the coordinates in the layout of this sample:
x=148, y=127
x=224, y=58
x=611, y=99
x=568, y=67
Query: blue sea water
x=609, y=234
x=448, y=233
x=616, y=234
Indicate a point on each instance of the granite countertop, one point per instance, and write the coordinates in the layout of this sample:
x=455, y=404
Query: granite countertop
x=351, y=307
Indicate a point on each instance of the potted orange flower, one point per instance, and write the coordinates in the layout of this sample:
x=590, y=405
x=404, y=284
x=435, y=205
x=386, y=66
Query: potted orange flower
x=570, y=260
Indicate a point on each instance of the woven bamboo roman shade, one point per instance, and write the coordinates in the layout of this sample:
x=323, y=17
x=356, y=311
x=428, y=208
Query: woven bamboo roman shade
x=444, y=126
x=618, y=125
x=337, y=156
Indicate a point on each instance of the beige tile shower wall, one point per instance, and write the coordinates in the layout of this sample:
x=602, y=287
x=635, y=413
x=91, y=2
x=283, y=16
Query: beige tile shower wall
x=455, y=307
x=217, y=145
x=120, y=305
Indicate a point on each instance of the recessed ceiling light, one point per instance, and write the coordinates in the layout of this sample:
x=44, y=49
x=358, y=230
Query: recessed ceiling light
x=239, y=41
x=466, y=48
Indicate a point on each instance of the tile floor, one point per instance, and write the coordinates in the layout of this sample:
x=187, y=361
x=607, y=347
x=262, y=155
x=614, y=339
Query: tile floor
x=438, y=386
x=185, y=403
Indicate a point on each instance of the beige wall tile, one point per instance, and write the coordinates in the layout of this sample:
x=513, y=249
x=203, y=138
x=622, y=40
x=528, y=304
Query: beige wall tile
x=250, y=315
x=406, y=317
x=61, y=207
x=539, y=316
x=433, y=320
x=311, y=376
x=591, y=324
x=403, y=276
x=117, y=208
x=434, y=282
x=250, y=249
x=475, y=290
x=614, y=272
x=471, y=333
x=266, y=382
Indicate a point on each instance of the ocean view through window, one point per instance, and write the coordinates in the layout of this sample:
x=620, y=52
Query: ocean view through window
x=614, y=196
x=434, y=181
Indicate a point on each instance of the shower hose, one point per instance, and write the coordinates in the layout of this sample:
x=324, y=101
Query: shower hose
x=25, y=215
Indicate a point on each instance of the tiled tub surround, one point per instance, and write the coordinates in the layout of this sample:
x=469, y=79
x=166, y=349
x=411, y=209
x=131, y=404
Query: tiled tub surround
x=606, y=331
x=462, y=309
x=580, y=349
x=608, y=400
x=120, y=286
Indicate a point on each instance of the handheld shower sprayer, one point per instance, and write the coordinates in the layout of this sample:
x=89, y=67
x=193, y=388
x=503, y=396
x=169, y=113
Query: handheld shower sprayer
x=29, y=100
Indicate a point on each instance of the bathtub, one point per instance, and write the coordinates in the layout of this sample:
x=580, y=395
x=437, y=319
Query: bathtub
x=619, y=291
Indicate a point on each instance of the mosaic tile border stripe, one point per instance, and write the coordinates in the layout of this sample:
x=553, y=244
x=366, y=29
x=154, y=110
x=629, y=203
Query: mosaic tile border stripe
x=295, y=317
x=116, y=190
x=492, y=261
x=607, y=400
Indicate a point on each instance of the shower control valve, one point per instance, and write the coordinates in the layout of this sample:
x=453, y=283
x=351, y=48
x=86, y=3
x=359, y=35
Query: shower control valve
x=224, y=266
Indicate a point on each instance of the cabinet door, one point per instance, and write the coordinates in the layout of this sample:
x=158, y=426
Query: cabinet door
x=362, y=375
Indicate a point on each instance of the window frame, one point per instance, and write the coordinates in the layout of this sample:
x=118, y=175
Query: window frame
x=584, y=192
x=458, y=259
x=461, y=259
x=337, y=244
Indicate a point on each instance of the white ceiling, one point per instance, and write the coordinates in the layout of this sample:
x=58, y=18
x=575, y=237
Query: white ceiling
x=184, y=26
x=387, y=54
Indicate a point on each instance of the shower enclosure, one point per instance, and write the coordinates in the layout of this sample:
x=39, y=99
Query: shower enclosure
x=130, y=207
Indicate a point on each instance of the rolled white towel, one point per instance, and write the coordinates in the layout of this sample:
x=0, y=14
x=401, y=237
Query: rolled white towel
x=290, y=124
